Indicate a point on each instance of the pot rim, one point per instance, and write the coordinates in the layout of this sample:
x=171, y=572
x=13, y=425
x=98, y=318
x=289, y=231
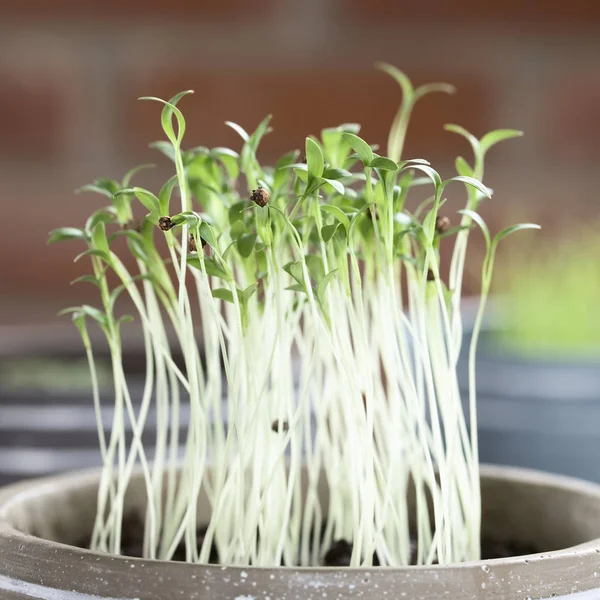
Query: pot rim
x=20, y=491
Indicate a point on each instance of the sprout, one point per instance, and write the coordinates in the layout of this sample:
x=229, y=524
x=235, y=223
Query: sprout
x=319, y=342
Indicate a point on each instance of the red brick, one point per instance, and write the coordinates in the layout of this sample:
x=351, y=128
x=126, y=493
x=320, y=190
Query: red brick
x=511, y=12
x=33, y=114
x=302, y=103
x=571, y=120
x=142, y=9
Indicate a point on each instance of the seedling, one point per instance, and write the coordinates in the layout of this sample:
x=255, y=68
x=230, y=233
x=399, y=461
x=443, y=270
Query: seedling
x=320, y=343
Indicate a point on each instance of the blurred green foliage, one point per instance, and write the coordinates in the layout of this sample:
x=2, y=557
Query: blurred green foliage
x=553, y=298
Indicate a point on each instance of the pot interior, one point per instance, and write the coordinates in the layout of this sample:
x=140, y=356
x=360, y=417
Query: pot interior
x=523, y=507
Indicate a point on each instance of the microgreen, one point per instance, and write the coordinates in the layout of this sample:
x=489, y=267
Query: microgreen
x=319, y=338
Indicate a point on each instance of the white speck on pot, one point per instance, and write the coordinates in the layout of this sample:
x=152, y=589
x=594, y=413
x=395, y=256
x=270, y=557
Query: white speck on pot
x=245, y=598
x=271, y=576
x=485, y=568
x=243, y=574
x=351, y=586
x=483, y=586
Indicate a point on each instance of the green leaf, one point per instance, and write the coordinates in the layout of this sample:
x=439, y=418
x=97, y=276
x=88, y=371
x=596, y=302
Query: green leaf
x=473, y=183
x=239, y=130
x=248, y=292
x=229, y=159
x=338, y=214
x=223, y=294
x=286, y=160
x=95, y=314
x=96, y=189
x=499, y=135
x=430, y=88
x=314, y=158
x=164, y=147
x=104, y=215
x=296, y=287
x=463, y=168
x=432, y=174
x=215, y=269
x=336, y=173
x=513, y=229
x=196, y=152
x=166, y=117
x=220, y=151
x=359, y=146
x=338, y=186
x=148, y=199
x=381, y=162
x=452, y=231
x=86, y=279
x=301, y=173
x=322, y=287
x=189, y=217
x=328, y=231
x=350, y=194
x=67, y=233
x=76, y=311
x=296, y=271
x=245, y=244
x=314, y=264
x=106, y=187
x=137, y=247
x=480, y=222
x=413, y=161
x=259, y=133
x=125, y=319
x=164, y=196
x=296, y=166
x=236, y=212
x=208, y=234
x=281, y=166
x=99, y=238
x=94, y=252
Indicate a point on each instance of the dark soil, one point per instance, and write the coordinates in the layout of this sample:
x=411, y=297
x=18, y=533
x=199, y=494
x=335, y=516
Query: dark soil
x=132, y=541
x=338, y=555
x=341, y=551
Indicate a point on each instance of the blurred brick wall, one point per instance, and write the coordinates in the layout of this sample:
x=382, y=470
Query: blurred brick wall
x=71, y=71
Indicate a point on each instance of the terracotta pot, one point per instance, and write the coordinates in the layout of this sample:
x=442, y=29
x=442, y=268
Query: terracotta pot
x=40, y=518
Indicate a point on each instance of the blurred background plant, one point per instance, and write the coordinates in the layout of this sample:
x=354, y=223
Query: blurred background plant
x=552, y=296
